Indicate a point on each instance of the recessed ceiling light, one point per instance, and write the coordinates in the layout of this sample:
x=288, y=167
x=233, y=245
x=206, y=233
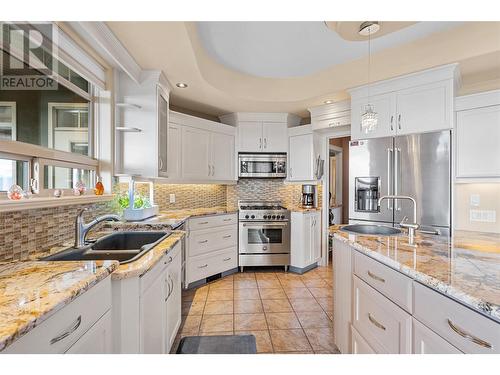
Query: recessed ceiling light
x=329, y=101
x=181, y=85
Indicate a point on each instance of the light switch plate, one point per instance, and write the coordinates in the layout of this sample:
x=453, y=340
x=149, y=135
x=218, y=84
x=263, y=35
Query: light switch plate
x=475, y=200
x=172, y=198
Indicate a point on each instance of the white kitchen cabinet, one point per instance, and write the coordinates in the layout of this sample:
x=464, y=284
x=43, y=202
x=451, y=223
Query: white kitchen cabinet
x=274, y=137
x=425, y=341
x=302, y=155
x=196, y=153
x=173, y=299
x=477, y=140
x=305, y=239
x=250, y=136
x=222, y=157
x=333, y=115
x=415, y=103
x=359, y=344
x=174, y=157
x=97, y=340
x=162, y=134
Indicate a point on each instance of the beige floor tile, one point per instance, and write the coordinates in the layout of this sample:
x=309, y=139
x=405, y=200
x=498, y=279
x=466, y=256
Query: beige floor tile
x=272, y=293
x=288, y=276
x=244, y=276
x=265, y=276
x=314, y=319
x=222, y=284
x=326, y=303
x=297, y=292
x=220, y=295
x=216, y=323
x=268, y=283
x=321, y=339
x=244, y=322
x=310, y=276
x=218, y=307
x=276, y=305
x=291, y=340
x=322, y=292
x=245, y=284
x=224, y=333
x=296, y=353
x=292, y=283
x=285, y=320
x=190, y=325
x=192, y=308
x=246, y=294
x=250, y=306
x=305, y=304
x=315, y=283
x=262, y=338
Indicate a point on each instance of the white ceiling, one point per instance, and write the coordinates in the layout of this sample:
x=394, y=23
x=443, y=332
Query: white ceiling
x=295, y=49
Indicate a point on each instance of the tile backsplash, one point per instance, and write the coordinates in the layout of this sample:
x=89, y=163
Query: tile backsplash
x=24, y=233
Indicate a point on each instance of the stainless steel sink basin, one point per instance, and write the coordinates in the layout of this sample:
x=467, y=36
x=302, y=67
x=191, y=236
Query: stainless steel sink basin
x=369, y=229
x=124, y=247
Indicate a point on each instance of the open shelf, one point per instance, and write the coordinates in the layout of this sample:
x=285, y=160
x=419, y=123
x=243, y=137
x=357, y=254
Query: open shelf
x=42, y=202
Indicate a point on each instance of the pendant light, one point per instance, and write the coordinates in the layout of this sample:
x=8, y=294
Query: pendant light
x=369, y=118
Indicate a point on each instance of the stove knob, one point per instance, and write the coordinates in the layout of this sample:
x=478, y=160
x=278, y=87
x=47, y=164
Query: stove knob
x=252, y=217
x=273, y=217
x=246, y=216
x=283, y=216
x=265, y=216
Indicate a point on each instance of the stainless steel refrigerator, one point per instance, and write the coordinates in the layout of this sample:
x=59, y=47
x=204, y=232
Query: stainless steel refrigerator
x=415, y=165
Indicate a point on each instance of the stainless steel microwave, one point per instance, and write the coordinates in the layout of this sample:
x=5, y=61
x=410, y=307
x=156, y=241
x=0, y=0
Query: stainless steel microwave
x=262, y=165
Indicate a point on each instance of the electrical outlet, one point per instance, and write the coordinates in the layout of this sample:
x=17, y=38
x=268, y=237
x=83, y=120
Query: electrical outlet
x=475, y=200
x=172, y=198
x=483, y=216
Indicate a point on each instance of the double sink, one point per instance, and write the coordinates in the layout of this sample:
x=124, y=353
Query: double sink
x=124, y=247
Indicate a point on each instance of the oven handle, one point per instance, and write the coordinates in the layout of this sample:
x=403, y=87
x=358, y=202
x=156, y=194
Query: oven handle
x=265, y=225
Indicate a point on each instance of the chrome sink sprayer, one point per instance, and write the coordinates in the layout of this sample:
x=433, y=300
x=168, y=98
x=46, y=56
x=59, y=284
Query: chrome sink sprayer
x=412, y=227
x=81, y=229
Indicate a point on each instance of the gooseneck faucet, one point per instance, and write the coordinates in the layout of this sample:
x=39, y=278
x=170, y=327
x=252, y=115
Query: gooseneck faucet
x=81, y=229
x=412, y=227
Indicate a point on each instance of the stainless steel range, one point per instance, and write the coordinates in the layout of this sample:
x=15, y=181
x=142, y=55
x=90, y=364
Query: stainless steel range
x=264, y=234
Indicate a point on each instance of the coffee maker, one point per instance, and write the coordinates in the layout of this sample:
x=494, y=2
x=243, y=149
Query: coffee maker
x=308, y=196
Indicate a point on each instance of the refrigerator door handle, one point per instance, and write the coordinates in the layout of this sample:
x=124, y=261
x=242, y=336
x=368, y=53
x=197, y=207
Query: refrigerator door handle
x=397, y=176
x=389, y=177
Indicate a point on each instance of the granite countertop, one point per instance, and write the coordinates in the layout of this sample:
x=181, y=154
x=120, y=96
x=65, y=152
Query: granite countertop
x=465, y=267
x=303, y=209
x=32, y=291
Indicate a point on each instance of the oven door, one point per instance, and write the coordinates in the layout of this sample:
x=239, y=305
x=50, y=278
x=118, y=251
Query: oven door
x=264, y=238
x=262, y=166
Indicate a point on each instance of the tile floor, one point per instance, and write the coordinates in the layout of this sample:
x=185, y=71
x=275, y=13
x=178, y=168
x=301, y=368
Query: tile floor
x=287, y=313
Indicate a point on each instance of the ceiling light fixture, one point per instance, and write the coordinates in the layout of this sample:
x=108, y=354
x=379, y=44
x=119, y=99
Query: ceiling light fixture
x=329, y=101
x=181, y=85
x=369, y=119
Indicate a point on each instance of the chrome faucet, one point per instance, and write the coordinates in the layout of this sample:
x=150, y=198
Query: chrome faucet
x=81, y=229
x=412, y=227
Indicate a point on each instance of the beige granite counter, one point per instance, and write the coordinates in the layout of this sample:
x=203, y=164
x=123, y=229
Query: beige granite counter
x=465, y=267
x=32, y=291
x=302, y=209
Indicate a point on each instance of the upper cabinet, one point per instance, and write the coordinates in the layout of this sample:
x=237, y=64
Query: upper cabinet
x=330, y=116
x=261, y=132
x=303, y=154
x=478, y=136
x=416, y=103
x=199, y=150
x=141, y=124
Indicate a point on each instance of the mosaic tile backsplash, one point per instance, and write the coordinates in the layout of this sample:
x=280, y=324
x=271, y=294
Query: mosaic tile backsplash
x=24, y=233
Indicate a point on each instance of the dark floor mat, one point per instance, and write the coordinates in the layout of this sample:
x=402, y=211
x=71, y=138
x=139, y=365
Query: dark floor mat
x=244, y=344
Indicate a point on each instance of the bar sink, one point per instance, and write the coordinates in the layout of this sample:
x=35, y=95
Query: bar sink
x=369, y=229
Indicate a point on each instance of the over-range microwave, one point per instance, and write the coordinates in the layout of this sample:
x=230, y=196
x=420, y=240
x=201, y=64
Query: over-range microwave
x=262, y=165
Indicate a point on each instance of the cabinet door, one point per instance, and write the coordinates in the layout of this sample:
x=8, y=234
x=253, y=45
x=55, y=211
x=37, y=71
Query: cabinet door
x=250, y=136
x=316, y=237
x=385, y=106
x=342, y=295
x=195, y=153
x=163, y=142
x=153, y=317
x=301, y=158
x=97, y=340
x=173, y=303
x=359, y=344
x=478, y=137
x=222, y=146
x=174, y=151
x=424, y=108
x=426, y=341
x=274, y=137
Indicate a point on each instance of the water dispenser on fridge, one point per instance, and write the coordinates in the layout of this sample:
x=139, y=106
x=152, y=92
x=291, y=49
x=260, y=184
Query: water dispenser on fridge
x=367, y=192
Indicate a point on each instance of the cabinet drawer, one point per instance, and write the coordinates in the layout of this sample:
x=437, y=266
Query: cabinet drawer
x=207, y=240
x=340, y=119
x=391, y=283
x=205, y=222
x=426, y=341
x=359, y=344
x=210, y=264
x=464, y=328
x=384, y=326
x=59, y=332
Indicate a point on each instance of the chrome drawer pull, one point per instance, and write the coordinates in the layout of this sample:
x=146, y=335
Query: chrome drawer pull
x=73, y=328
x=206, y=265
x=375, y=277
x=226, y=259
x=228, y=236
x=168, y=261
x=227, y=219
x=203, y=222
x=468, y=336
x=375, y=323
x=204, y=241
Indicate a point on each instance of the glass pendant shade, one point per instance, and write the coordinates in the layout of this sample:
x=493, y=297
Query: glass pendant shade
x=369, y=119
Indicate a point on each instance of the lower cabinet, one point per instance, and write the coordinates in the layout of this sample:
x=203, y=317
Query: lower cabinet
x=305, y=238
x=173, y=301
x=97, y=340
x=359, y=344
x=426, y=341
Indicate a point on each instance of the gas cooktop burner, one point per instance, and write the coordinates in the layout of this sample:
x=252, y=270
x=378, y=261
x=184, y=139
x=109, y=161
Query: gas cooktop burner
x=262, y=208
x=262, y=211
